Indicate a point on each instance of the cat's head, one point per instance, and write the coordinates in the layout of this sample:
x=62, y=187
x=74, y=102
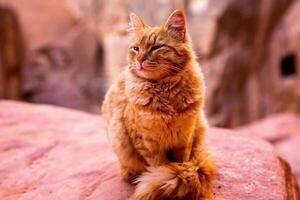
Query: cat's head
x=158, y=52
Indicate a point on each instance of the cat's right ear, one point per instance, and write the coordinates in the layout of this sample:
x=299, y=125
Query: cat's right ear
x=135, y=23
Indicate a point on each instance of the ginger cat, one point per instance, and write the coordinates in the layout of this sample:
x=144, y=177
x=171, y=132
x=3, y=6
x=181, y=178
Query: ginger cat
x=154, y=112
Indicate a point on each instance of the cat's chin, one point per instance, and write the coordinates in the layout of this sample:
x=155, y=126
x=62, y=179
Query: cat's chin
x=149, y=74
x=144, y=73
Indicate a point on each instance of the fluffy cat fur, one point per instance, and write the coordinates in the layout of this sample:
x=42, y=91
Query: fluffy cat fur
x=154, y=113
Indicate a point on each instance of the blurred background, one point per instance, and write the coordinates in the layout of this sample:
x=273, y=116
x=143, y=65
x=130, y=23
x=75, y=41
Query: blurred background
x=68, y=52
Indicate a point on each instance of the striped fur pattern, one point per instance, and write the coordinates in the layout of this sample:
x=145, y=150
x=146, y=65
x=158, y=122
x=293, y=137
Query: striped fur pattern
x=155, y=114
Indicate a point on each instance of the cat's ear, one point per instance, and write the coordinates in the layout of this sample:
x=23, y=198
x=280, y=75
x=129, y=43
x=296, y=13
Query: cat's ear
x=176, y=25
x=135, y=23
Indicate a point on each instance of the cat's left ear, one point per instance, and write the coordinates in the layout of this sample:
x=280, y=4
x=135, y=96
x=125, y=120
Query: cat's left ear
x=176, y=25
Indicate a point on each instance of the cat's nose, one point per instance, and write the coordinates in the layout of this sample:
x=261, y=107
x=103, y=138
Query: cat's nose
x=141, y=59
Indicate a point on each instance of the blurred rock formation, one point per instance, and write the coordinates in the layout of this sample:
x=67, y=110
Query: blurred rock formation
x=64, y=59
x=12, y=54
x=248, y=49
x=251, y=68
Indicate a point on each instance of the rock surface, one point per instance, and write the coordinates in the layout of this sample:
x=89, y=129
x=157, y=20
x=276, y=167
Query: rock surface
x=48, y=152
x=283, y=131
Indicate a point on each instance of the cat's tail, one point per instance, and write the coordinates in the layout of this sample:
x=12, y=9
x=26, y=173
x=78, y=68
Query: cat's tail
x=188, y=180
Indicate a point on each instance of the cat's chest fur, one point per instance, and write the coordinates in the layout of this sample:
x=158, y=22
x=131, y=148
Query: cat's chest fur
x=164, y=112
x=168, y=97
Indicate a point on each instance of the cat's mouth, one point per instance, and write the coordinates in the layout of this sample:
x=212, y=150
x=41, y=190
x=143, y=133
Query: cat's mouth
x=146, y=65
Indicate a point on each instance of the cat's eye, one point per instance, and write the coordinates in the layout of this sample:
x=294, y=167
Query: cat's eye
x=136, y=48
x=156, y=47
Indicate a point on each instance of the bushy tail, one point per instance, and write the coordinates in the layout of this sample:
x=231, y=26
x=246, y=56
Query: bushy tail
x=188, y=180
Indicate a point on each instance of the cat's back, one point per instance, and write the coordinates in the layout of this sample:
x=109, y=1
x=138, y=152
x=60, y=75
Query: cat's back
x=115, y=99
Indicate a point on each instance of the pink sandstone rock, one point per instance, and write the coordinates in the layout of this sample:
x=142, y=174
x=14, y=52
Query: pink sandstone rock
x=283, y=131
x=51, y=153
x=274, y=128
